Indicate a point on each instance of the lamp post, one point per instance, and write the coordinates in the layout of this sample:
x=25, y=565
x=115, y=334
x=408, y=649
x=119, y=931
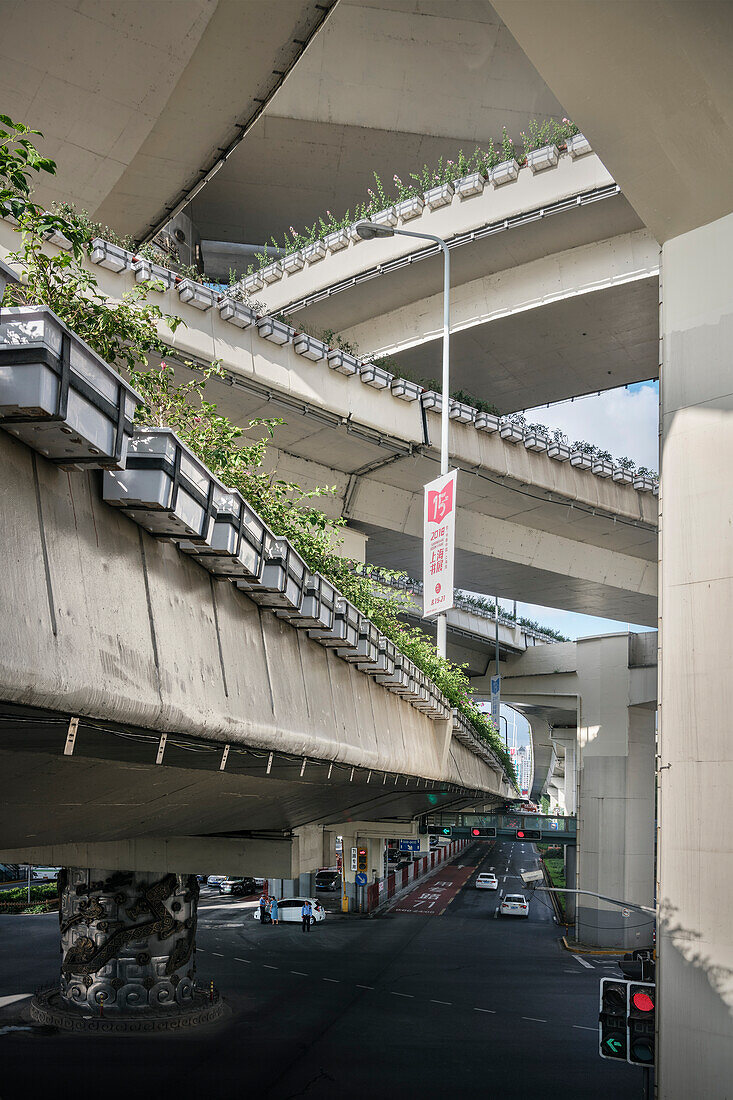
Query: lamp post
x=368, y=231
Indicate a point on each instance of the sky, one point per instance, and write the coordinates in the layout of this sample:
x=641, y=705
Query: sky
x=626, y=423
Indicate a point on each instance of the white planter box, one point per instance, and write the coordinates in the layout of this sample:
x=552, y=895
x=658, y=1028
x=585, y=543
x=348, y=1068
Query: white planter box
x=410, y=208
x=578, y=146
x=272, y=273
x=309, y=347
x=624, y=476
x=486, y=422
x=58, y=396
x=464, y=414
x=316, y=610
x=59, y=239
x=467, y=186
x=533, y=441
x=344, y=634
x=655, y=490
x=337, y=240
x=165, y=488
x=253, y=282
x=196, y=295
x=239, y=540
x=385, y=217
x=559, y=451
x=376, y=377
x=283, y=578
x=506, y=172
x=602, y=468
x=236, y=313
x=406, y=390
x=644, y=484
x=342, y=362
x=292, y=263
x=442, y=195
x=432, y=400
x=314, y=252
x=148, y=272
x=275, y=331
x=511, y=433
x=540, y=159
x=581, y=460
x=110, y=256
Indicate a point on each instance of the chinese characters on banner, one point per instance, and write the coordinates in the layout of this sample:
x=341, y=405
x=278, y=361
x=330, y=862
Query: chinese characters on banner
x=438, y=544
x=496, y=701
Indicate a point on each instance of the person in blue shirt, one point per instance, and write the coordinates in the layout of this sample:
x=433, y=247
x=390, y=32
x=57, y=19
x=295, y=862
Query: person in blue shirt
x=263, y=908
x=273, y=909
x=306, y=913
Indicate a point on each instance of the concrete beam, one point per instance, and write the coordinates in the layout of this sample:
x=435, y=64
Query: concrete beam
x=521, y=289
x=185, y=855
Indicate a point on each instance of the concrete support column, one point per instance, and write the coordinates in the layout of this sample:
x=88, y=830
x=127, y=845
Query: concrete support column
x=571, y=865
x=349, y=884
x=695, y=934
x=567, y=740
x=128, y=940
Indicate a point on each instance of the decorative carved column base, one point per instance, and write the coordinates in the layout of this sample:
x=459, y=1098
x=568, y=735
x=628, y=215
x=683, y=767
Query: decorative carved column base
x=128, y=942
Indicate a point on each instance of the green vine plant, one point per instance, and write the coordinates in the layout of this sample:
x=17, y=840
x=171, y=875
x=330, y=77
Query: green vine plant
x=127, y=334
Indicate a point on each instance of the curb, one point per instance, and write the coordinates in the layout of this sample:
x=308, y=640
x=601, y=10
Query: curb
x=591, y=950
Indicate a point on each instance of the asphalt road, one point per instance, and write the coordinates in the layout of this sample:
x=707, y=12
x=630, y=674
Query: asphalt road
x=453, y=1002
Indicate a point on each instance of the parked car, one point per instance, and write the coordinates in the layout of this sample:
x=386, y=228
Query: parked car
x=514, y=905
x=215, y=880
x=238, y=886
x=328, y=880
x=289, y=910
x=487, y=881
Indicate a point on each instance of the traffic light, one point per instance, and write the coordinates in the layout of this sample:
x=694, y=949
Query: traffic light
x=440, y=830
x=483, y=831
x=361, y=859
x=638, y=966
x=612, y=1040
x=529, y=834
x=641, y=1005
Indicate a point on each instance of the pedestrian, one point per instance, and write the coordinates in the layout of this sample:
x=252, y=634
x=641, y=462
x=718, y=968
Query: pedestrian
x=273, y=910
x=306, y=914
x=263, y=908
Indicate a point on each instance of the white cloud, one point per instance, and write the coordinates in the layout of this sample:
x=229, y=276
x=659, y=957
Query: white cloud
x=622, y=421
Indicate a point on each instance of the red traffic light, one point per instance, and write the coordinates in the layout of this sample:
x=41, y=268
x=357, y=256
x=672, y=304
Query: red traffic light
x=362, y=851
x=520, y=834
x=642, y=1001
x=475, y=832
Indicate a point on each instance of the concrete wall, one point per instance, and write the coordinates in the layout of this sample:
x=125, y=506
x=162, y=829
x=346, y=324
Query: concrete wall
x=127, y=628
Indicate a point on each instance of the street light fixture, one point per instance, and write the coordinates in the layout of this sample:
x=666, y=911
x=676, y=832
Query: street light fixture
x=368, y=231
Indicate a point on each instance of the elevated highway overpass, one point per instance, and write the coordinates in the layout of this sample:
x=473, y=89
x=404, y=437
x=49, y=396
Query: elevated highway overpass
x=530, y=527
x=554, y=288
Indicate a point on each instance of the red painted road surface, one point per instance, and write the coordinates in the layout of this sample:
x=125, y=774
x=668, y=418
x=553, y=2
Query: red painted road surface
x=434, y=894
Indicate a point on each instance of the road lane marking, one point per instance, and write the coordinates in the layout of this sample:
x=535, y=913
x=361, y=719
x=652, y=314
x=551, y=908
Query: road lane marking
x=299, y=973
x=534, y=1019
x=581, y=1027
x=364, y=986
x=587, y=965
x=491, y=1010
x=217, y=953
x=434, y=1001
x=336, y=981
x=269, y=967
x=396, y=994
x=241, y=960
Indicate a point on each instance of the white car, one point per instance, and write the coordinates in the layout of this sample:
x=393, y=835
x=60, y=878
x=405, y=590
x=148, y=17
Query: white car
x=514, y=905
x=289, y=910
x=216, y=880
x=487, y=881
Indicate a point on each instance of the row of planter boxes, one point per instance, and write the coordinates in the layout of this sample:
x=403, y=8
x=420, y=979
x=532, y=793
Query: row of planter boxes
x=168, y=491
x=465, y=733
x=62, y=400
x=434, y=198
x=513, y=432
x=242, y=316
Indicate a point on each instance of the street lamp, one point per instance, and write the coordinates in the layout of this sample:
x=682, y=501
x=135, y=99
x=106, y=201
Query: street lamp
x=503, y=719
x=368, y=231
